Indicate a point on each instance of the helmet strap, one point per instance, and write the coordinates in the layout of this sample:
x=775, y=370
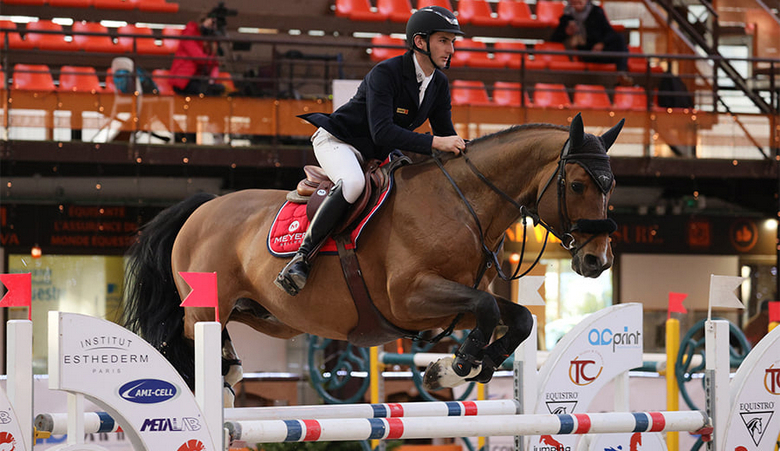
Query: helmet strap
x=428, y=53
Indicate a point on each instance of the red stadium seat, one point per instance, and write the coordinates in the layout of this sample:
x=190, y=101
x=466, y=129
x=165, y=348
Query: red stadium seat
x=478, y=12
x=601, y=67
x=557, y=62
x=113, y=4
x=632, y=98
x=518, y=13
x=514, y=60
x=508, y=94
x=551, y=95
x=171, y=45
x=638, y=63
x=224, y=78
x=70, y=3
x=103, y=44
x=162, y=80
x=32, y=77
x=443, y=3
x=469, y=92
x=592, y=97
x=79, y=79
x=143, y=46
x=380, y=53
x=359, y=10
x=473, y=58
x=47, y=41
x=155, y=6
x=549, y=12
x=15, y=40
x=25, y=2
x=395, y=10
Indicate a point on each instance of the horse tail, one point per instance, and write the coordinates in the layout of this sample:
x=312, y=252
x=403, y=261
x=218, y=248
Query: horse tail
x=152, y=301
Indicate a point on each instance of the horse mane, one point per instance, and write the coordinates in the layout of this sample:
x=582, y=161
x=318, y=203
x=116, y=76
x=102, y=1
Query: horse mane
x=516, y=129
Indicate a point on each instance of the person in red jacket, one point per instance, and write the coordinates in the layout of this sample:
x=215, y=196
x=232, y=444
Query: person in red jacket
x=195, y=62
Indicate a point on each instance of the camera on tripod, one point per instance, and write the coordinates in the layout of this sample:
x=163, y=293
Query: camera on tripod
x=220, y=13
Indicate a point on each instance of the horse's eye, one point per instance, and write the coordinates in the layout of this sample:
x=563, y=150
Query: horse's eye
x=578, y=187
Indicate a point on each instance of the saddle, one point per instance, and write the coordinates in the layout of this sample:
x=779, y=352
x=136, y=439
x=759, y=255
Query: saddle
x=313, y=190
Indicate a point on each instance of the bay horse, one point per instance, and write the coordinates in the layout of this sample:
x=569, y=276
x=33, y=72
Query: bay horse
x=421, y=254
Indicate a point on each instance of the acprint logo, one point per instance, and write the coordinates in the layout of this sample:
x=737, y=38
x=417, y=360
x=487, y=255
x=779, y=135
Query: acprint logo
x=147, y=391
x=606, y=337
x=293, y=226
x=772, y=380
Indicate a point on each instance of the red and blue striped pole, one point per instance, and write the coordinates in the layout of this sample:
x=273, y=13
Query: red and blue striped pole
x=272, y=431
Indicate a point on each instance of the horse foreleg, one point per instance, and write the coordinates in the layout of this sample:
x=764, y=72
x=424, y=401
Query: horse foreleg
x=519, y=323
x=232, y=371
x=446, y=297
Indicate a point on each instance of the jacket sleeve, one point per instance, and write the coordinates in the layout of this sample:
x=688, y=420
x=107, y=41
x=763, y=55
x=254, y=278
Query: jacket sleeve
x=381, y=89
x=194, y=49
x=599, y=28
x=559, y=35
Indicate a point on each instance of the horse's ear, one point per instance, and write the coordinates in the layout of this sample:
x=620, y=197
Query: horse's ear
x=609, y=137
x=576, y=132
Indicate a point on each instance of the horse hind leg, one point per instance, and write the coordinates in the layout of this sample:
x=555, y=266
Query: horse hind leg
x=519, y=323
x=232, y=371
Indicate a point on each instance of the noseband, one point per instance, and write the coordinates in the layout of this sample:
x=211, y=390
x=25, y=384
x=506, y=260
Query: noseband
x=591, y=227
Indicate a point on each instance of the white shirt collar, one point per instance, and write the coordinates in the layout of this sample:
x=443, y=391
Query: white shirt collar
x=421, y=78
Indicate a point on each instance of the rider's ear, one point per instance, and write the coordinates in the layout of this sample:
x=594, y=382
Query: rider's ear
x=609, y=137
x=576, y=132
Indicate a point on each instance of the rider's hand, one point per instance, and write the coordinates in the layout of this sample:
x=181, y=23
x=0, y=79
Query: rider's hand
x=453, y=144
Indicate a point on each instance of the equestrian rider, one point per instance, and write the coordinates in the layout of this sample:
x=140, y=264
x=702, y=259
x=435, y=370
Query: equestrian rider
x=396, y=97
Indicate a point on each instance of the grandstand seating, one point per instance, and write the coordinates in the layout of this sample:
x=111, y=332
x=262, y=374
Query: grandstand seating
x=358, y=10
x=638, y=63
x=79, y=79
x=162, y=80
x=548, y=12
x=514, y=60
x=113, y=4
x=15, y=40
x=509, y=94
x=380, y=53
x=103, y=44
x=632, y=98
x=170, y=45
x=143, y=46
x=155, y=6
x=395, y=10
x=478, y=12
x=551, y=95
x=469, y=92
x=556, y=61
x=25, y=2
x=473, y=58
x=71, y=3
x=46, y=41
x=592, y=97
x=32, y=77
x=443, y=3
x=518, y=14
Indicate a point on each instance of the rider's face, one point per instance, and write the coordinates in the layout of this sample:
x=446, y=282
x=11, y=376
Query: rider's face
x=442, y=47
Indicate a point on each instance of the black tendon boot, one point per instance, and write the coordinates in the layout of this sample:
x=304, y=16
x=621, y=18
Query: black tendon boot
x=293, y=277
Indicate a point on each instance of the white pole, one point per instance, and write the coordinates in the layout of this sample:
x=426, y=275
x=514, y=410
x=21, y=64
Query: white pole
x=20, y=376
x=717, y=370
x=208, y=376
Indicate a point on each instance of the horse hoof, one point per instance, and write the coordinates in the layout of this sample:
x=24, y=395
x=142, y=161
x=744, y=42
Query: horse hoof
x=440, y=374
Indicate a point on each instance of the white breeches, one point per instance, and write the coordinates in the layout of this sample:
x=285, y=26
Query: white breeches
x=341, y=162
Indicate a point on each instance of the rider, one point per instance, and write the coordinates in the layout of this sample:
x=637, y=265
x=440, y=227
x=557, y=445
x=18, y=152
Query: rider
x=396, y=97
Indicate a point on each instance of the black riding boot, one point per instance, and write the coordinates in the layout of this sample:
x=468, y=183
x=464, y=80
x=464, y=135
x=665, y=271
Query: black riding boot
x=293, y=277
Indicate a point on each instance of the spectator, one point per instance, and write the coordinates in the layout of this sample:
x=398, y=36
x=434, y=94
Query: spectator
x=195, y=62
x=584, y=26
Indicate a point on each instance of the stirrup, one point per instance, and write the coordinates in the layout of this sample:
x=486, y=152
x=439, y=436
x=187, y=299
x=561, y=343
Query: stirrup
x=292, y=284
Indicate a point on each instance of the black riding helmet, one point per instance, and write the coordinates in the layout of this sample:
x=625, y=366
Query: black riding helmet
x=427, y=21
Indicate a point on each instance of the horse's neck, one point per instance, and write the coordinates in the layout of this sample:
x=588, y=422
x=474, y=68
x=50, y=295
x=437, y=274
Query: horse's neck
x=517, y=167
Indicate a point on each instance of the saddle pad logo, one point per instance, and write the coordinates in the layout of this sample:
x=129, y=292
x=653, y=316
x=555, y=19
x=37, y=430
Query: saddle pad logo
x=147, y=391
x=293, y=226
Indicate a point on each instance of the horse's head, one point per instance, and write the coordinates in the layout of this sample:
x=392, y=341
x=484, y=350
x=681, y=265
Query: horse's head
x=579, y=201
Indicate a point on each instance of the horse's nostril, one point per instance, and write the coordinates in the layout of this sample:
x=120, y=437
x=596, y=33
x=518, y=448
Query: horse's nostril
x=591, y=261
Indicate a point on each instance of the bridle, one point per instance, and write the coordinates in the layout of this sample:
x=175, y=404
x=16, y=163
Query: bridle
x=592, y=227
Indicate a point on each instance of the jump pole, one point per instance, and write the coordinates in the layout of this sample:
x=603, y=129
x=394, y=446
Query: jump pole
x=273, y=431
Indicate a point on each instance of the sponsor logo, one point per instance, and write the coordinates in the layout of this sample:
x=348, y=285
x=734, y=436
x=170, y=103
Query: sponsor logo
x=606, y=337
x=772, y=380
x=5, y=417
x=170, y=424
x=560, y=408
x=147, y=391
x=293, y=226
x=321, y=192
x=290, y=237
x=106, y=354
x=192, y=445
x=561, y=402
x=549, y=443
x=585, y=368
x=756, y=423
x=7, y=441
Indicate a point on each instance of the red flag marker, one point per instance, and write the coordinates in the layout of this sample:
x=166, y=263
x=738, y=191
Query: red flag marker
x=676, y=304
x=204, y=291
x=19, y=292
x=774, y=312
